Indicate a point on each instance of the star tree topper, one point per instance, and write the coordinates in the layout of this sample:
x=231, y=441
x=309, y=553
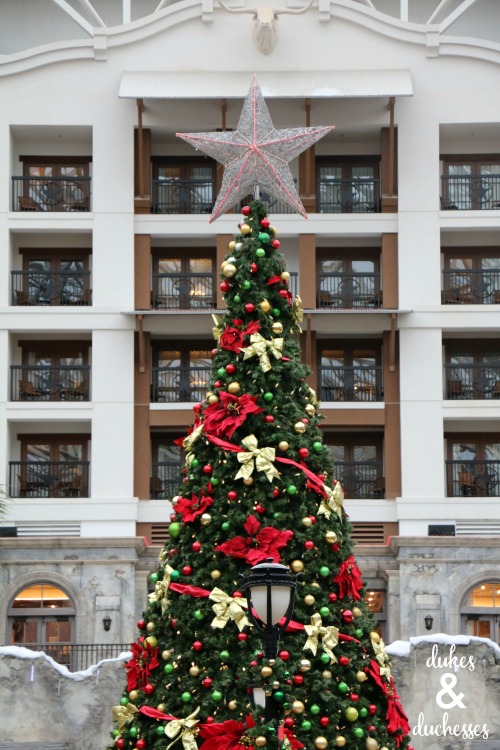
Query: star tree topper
x=256, y=154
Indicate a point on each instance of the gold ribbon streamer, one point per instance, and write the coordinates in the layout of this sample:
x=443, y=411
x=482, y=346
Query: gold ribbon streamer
x=217, y=329
x=333, y=502
x=124, y=714
x=297, y=312
x=182, y=729
x=263, y=459
x=329, y=637
x=188, y=441
x=228, y=608
x=161, y=588
x=259, y=347
x=381, y=658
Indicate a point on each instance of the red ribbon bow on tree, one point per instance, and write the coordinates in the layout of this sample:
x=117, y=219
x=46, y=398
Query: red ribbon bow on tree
x=269, y=541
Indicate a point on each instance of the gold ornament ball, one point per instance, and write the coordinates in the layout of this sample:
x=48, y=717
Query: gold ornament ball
x=310, y=409
x=283, y=445
x=265, y=306
x=161, y=707
x=297, y=566
x=321, y=743
x=266, y=671
x=315, y=585
x=260, y=741
x=166, y=655
x=229, y=270
x=209, y=393
x=133, y=695
x=309, y=600
x=277, y=327
x=340, y=741
x=305, y=665
x=298, y=707
x=150, y=627
x=234, y=387
x=232, y=705
x=245, y=229
x=232, y=245
x=361, y=676
x=384, y=748
x=326, y=674
x=248, y=481
x=371, y=743
x=306, y=521
x=274, y=231
x=285, y=276
x=194, y=671
x=152, y=641
x=205, y=519
x=299, y=427
x=331, y=537
x=213, y=399
x=215, y=575
x=356, y=612
x=374, y=636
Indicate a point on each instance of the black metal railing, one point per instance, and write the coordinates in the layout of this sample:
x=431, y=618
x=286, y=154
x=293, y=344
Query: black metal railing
x=470, y=193
x=274, y=205
x=350, y=383
x=51, y=288
x=165, y=479
x=78, y=657
x=64, y=383
x=51, y=193
x=171, y=196
x=349, y=290
x=475, y=381
x=471, y=287
x=473, y=478
x=48, y=478
x=177, y=384
x=183, y=291
x=361, y=479
x=359, y=196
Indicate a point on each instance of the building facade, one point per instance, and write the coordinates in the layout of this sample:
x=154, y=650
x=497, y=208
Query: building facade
x=110, y=278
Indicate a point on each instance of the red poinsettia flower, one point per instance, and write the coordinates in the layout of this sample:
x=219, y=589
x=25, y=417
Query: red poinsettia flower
x=190, y=509
x=232, y=337
x=224, y=417
x=144, y=660
x=258, y=545
x=292, y=739
x=349, y=579
x=225, y=736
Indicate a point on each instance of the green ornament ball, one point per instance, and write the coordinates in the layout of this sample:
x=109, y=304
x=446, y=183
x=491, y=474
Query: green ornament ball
x=225, y=526
x=220, y=372
x=123, y=701
x=358, y=633
x=279, y=696
x=342, y=687
x=260, y=252
x=314, y=709
x=325, y=658
x=276, y=515
x=268, y=396
x=358, y=732
x=291, y=489
x=160, y=731
x=246, y=284
x=271, y=730
x=306, y=725
x=276, y=312
x=324, y=612
x=174, y=529
x=133, y=731
x=153, y=577
x=168, y=668
x=116, y=732
x=263, y=237
x=317, y=446
x=186, y=697
x=175, y=575
x=363, y=712
x=214, y=481
x=194, y=461
x=199, y=615
x=324, y=571
x=237, y=298
x=351, y=713
x=224, y=655
x=217, y=696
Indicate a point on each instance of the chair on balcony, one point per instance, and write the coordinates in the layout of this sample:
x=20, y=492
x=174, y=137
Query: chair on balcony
x=78, y=392
x=155, y=488
x=379, y=488
x=455, y=389
x=325, y=299
x=70, y=488
x=466, y=483
x=28, y=204
x=28, y=392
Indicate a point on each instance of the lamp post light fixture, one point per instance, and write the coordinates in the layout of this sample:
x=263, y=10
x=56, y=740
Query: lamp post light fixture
x=106, y=623
x=428, y=619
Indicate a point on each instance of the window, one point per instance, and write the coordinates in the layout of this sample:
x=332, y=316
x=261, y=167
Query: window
x=471, y=276
x=183, y=281
x=348, y=184
x=181, y=374
x=375, y=601
x=358, y=464
x=473, y=465
x=481, y=611
x=53, y=277
x=51, y=466
x=52, y=371
x=472, y=369
x=471, y=182
x=349, y=278
x=53, y=183
x=350, y=372
x=183, y=186
x=165, y=466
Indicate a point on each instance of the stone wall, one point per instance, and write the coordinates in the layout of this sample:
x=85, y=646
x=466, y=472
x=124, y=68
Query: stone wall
x=40, y=704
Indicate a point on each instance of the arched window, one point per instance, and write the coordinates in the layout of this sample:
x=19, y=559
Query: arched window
x=481, y=611
x=42, y=616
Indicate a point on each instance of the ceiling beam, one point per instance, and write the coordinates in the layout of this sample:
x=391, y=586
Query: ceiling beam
x=441, y=7
x=456, y=14
x=72, y=13
x=95, y=15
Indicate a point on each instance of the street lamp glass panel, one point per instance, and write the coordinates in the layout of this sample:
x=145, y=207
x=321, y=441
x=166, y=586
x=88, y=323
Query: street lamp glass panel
x=280, y=600
x=259, y=696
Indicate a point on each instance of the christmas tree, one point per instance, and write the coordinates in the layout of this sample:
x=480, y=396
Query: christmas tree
x=258, y=488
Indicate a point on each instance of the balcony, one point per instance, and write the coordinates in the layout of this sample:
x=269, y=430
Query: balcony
x=165, y=479
x=349, y=290
x=46, y=479
x=180, y=384
x=36, y=288
x=473, y=478
x=357, y=196
x=470, y=192
x=183, y=291
x=471, y=287
x=361, y=480
x=62, y=383
x=51, y=193
x=174, y=196
x=477, y=381
x=350, y=383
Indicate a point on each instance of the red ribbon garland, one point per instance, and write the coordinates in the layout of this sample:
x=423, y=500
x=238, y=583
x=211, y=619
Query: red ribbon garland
x=396, y=718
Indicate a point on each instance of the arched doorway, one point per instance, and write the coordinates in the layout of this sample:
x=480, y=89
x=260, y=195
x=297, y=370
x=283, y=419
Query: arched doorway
x=481, y=611
x=41, y=616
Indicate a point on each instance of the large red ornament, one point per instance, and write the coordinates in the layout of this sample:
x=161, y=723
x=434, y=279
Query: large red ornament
x=230, y=369
x=309, y=544
x=207, y=682
x=275, y=243
x=254, y=267
x=140, y=744
x=246, y=210
x=197, y=408
x=288, y=723
x=284, y=655
x=242, y=636
x=324, y=721
x=197, y=646
x=120, y=743
x=269, y=418
x=187, y=570
x=249, y=307
x=344, y=661
x=332, y=597
x=232, y=495
x=142, y=624
x=298, y=679
x=303, y=452
x=372, y=709
x=149, y=688
x=260, y=509
x=265, y=223
x=276, y=492
x=196, y=546
x=347, y=615
x=354, y=697
x=208, y=469
x=224, y=287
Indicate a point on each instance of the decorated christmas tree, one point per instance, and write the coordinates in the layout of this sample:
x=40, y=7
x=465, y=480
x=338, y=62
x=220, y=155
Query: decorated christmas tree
x=258, y=495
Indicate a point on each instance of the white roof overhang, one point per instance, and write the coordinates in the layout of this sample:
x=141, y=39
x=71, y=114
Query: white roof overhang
x=156, y=84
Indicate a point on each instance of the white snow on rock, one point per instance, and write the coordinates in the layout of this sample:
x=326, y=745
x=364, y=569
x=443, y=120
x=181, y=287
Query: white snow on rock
x=20, y=652
x=403, y=648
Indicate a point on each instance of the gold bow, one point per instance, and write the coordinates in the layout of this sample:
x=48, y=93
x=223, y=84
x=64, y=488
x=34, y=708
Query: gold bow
x=189, y=459
x=329, y=637
x=217, y=329
x=124, y=714
x=381, y=658
x=182, y=729
x=227, y=608
x=313, y=396
x=188, y=441
x=161, y=588
x=259, y=346
x=263, y=459
x=333, y=502
x=297, y=312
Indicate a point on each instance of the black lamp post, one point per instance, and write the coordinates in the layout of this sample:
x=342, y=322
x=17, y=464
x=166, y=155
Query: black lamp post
x=270, y=591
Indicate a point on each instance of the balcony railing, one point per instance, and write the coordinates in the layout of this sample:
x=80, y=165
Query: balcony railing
x=183, y=291
x=51, y=193
x=165, y=479
x=48, y=478
x=173, y=196
x=470, y=193
x=361, y=479
x=473, y=478
x=78, y=657
x=476, y=381
x=51, y=288
x=178, y=384
x=63, y=383
x=350, y=383
x=471, y=287
x=360, y=196
x=349, y=290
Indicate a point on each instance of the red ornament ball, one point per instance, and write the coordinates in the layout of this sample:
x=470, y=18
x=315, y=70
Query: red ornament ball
x=209, y=720
x=213, y=353
x=217, y=384
x=372, y=728
x=187, y=570
x=303, y=452
x=344, y=661
x=275, y=244
x=347, y=615
x=335, y=547
x=372, y=709
x=283, y=293
x=298, y=679
x=269, y=418
x=253, y=663
x=232, y=495
x=173, y=624
x=332, y=597
x=149, y=688
x=312, y=519
x=140, y=744
x=172, y=516
x=173, y=552
x=254, y=267
x=284, y=655
x=208, y=469
x=237, y=595
x=260, y=509
x=197, y=408
x=305, y=420
x=230, y=368
x=197, y=646
x=242, y=636
x=246, y=210
x=276, y=492
x=265, y=223
x=309, y=544
x=196, y=546
x=224, y=286
x=207, y=682
x=249, y=307
x=324, y=721
x=120, y=743
x=142, y=624
x=288, y=723
x=354, y=697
